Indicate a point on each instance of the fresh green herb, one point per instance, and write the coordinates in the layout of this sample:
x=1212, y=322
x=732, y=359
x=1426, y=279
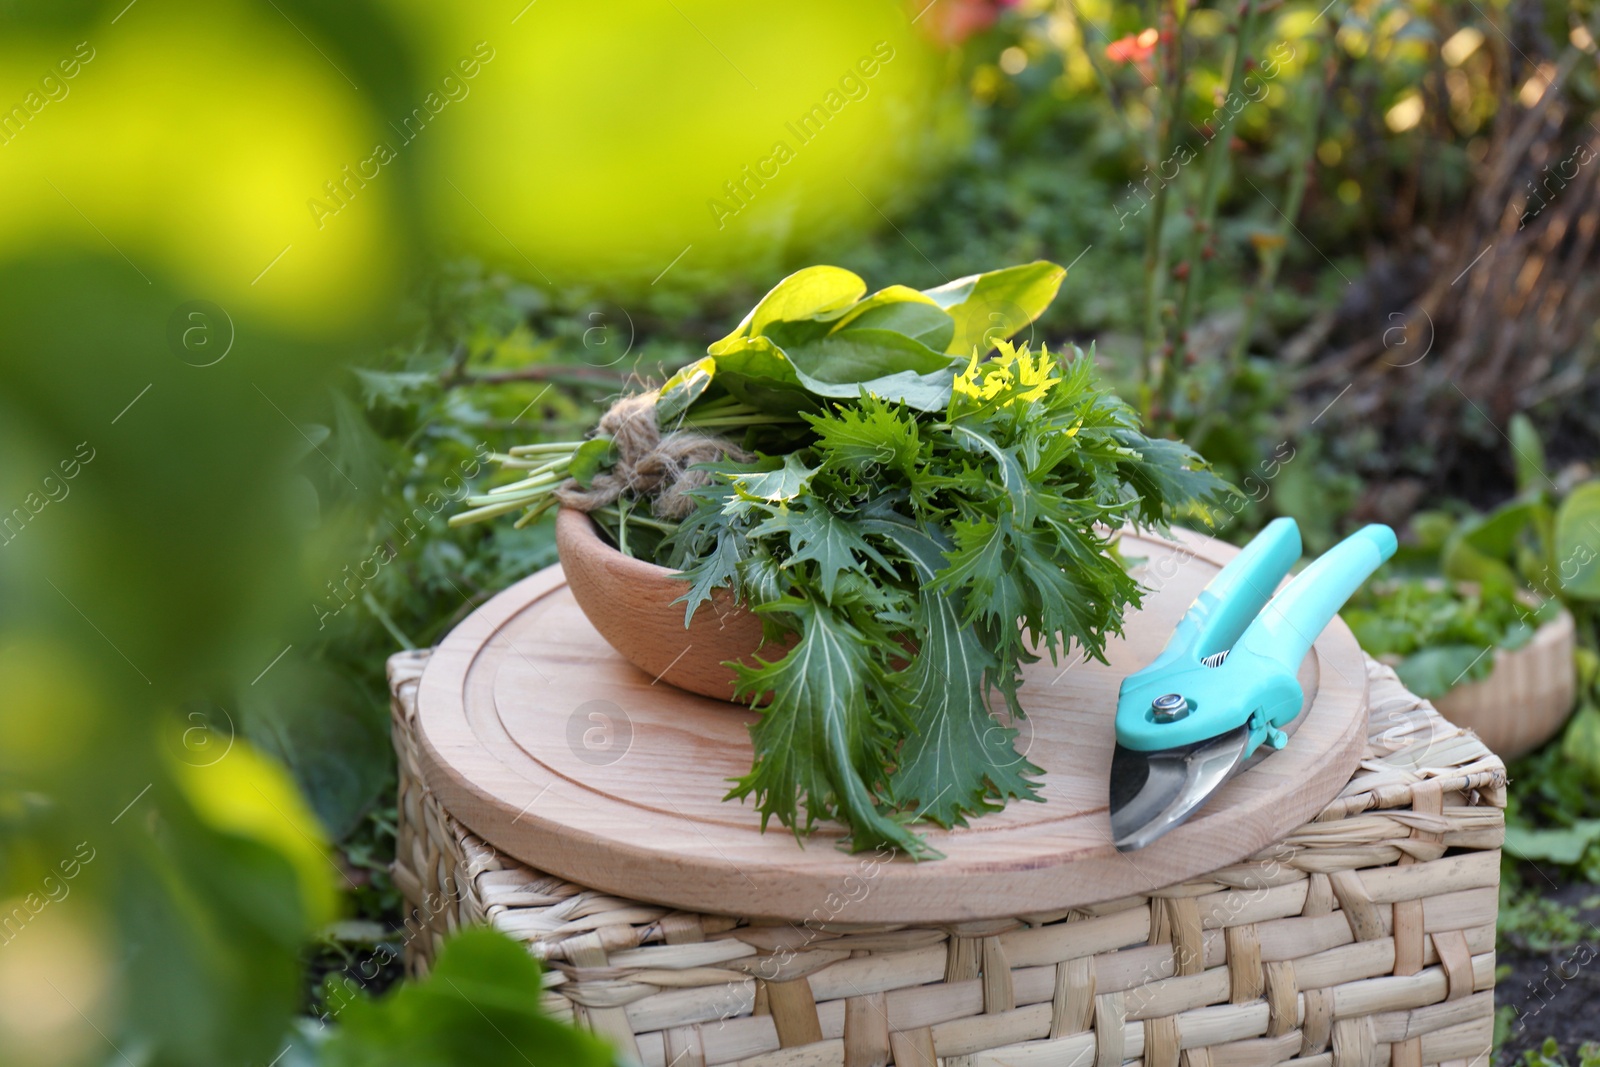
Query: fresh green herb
x=917, y=523
x=1532, y=922
x=1441, y=635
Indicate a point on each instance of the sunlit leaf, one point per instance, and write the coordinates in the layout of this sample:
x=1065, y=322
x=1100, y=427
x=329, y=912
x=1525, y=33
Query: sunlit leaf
x=992, y=307
x=803, y=294
x=247, y=794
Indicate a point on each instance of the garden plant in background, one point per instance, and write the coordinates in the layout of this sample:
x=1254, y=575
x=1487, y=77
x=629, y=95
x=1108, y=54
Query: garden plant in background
x=1436, y=635
x=1545, y=539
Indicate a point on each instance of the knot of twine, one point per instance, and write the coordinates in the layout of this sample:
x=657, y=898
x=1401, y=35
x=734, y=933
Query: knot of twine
x=650, y=463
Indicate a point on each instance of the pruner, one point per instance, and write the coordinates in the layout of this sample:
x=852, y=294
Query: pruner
x=1226, y=683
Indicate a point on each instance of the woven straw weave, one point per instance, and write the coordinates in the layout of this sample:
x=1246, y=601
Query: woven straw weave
x=1365, y=937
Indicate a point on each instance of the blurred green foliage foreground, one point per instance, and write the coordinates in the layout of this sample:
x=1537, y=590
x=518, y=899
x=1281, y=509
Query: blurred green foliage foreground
x=210, y=210
x=275, y=276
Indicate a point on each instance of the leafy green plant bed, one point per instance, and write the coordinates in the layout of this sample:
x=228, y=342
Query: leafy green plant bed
x=1548, y=988
x=915, y=521
x=1437, y=634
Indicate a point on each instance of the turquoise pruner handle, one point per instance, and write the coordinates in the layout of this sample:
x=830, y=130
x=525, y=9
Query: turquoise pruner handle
x=1266, y=639
x=1291, y=621
x=1232, y=599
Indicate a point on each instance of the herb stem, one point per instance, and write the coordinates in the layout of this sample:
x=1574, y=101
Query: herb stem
x=611, y=512
x=517, y=463
x=736, y=421
x=724, y=405
x=542, y=476
x=1218, y=150
x=546, y=448
x=535, y=511
x=489, y=511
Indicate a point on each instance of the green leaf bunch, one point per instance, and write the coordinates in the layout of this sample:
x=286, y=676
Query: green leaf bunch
x=915, y=561
x=919, y=523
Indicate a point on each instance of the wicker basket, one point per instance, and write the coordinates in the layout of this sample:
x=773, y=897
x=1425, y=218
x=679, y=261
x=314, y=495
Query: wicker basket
x=1364, y=937
x=1527, y=697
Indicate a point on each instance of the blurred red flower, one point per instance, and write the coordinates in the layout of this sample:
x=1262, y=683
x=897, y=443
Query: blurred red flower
x=1134, y=48
x=950, y=22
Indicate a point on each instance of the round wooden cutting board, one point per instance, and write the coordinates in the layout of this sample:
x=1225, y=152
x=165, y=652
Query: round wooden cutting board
x=547, y=743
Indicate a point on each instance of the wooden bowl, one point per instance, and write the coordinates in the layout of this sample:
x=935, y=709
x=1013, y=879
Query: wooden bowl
x=631, y=603
x=1526, y=699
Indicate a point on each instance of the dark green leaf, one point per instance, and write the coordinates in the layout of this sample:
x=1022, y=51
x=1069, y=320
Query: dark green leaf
x=591, y=457
x=479, y=1004
x=857, y=356
x=912, y=314
x=1433, y=672
x=1483, y=549
x=1578, y=542
x=759, y=373
x=818, y=744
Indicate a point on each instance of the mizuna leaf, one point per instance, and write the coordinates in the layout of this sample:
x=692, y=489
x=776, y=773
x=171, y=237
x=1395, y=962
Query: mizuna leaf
x=979, y=559
x=817, y=535
x=1012, y=476
x=866, y=435
x=818, y=744
x=1164, y=474
x=959, y=761
x=717, y=569
x=785, y=483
